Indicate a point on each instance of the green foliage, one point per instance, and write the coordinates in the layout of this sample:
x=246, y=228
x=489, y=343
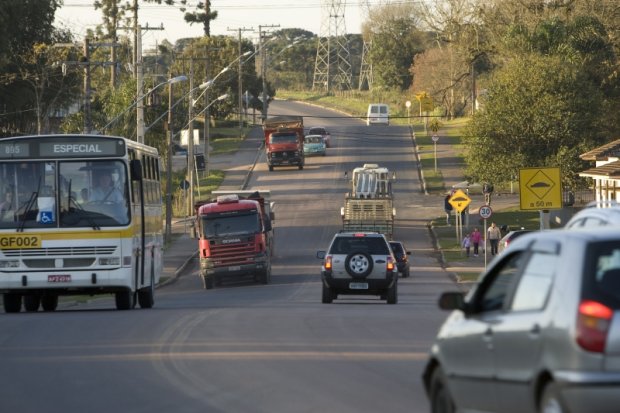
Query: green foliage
x=539, y=111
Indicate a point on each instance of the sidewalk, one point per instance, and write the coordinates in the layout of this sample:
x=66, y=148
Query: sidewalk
x=452, y=170
x=237, y=166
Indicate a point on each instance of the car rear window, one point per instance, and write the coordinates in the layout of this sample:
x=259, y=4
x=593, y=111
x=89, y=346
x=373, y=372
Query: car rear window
x=370, y=245
x=602, y=280
x=397, y=248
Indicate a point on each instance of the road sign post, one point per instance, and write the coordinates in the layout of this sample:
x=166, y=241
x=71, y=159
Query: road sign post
x=485, y=213
x=435, y=138
x=459, y=201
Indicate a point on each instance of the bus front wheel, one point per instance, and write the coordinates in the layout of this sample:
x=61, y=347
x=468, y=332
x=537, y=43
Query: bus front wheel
x=49, y=302
x=12, y=303
x=124, y=300
x=146, y=296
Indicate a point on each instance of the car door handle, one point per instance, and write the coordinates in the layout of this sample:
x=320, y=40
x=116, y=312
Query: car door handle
x=535, y=330
x=380, y=261
x=488, y=334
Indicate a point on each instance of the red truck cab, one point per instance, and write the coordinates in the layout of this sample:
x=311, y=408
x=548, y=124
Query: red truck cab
x=284, y=141
x=234, y=239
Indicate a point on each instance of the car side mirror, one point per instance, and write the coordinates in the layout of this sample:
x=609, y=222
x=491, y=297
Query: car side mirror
x=452, y=301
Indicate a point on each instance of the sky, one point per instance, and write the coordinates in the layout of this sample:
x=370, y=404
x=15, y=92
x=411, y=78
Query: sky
x=80, y=15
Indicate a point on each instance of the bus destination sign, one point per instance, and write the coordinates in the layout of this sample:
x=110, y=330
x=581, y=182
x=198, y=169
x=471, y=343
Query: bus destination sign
x=61, y=147
x=78, y=149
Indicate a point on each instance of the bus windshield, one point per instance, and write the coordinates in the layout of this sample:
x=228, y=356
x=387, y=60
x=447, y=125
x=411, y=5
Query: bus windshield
x=64, y=193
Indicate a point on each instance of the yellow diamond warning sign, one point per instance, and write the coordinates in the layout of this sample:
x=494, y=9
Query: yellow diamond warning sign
x=459, y=200
x=540, y=188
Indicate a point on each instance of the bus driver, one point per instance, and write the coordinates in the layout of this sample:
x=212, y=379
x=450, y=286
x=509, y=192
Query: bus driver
x=106, y=191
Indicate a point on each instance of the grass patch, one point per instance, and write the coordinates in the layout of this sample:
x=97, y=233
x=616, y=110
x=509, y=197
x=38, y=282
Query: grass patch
x=467, y=276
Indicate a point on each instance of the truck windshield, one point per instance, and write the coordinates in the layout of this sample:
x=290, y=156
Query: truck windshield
x=220, y=226
x=288, y=138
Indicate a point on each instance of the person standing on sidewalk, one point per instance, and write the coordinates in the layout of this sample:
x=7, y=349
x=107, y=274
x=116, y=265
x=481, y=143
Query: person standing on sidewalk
x=494, y=235
x=476, y=237
x=447, y=206
x=466, y=244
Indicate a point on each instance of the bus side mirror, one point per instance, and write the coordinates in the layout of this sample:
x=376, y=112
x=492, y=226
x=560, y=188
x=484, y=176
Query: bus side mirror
x=135, y=168
x=194, y=233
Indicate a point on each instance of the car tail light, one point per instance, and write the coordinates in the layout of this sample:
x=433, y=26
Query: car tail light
x=593, y=323
x=328, y=263
x=390, y=264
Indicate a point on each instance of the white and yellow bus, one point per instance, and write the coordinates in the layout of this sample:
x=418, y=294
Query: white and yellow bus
x=79, y=214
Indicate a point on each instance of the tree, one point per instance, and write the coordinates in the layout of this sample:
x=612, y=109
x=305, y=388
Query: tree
x=203, y=14
x=541, y=111
x=29, y=86
x=396, y=39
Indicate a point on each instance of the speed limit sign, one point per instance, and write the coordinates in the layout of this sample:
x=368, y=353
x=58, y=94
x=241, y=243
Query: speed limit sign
x=485, y=212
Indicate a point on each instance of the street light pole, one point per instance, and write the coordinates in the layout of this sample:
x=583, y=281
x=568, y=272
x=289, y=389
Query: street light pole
x=140, y=88
x=190, y=142
x=169, y=172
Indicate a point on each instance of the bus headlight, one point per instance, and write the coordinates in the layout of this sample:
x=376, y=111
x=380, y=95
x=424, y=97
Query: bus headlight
x=9, y=263
x=110, y=261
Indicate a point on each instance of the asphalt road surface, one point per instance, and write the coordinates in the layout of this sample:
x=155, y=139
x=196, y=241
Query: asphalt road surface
x=244, y=347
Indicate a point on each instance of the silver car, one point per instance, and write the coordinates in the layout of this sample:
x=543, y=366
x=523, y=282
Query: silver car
x=540, y=331
x=596, y=214
x=359, y=263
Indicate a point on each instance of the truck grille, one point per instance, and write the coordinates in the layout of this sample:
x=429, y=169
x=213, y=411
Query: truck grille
x=232, y=254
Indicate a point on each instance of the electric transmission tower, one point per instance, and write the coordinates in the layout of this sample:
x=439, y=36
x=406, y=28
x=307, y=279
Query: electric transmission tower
x=332, y=69
x=366, y=66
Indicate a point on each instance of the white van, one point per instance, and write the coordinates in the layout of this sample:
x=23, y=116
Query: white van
x=378, y=113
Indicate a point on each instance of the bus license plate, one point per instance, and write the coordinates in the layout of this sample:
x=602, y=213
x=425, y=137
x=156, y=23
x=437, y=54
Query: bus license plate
x=234, y=268
x=59, y=278
x=358, y=286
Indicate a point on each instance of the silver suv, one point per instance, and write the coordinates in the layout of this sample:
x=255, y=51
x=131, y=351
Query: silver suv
x=359, y=263
x=540, y=331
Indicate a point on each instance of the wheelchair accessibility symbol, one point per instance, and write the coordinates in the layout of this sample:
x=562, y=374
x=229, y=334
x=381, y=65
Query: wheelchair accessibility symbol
x=47, y=217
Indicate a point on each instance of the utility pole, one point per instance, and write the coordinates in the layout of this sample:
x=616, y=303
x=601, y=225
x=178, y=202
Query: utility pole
x=139, y=71
x=263, y=55
x=88, y=126
x=243, y=29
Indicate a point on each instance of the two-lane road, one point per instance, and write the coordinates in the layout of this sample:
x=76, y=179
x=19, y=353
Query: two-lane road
x=244, y=347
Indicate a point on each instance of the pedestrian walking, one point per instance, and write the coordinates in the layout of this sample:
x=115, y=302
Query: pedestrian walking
x=447, y=206
x=494, y=235
x=466, y=244
x=476, y=237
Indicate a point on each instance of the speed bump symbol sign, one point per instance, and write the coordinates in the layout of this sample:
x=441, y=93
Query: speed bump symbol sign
x=540, y=188
x=459, y=200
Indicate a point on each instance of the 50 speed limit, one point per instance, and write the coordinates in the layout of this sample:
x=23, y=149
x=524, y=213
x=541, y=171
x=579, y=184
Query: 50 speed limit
x=485, y=212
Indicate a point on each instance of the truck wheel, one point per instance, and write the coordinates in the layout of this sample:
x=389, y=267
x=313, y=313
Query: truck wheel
x=301, y=167
x=392, y=294
x=266, y=275
x=327, y=297
x=270, y=168
x=358, y=264
x=12, y=303
x=49, y=302
x=32, y=302
x=207, y=282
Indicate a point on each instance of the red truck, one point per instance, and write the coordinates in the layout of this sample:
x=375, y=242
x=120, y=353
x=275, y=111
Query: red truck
x=235, y=236
x=284, y=141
